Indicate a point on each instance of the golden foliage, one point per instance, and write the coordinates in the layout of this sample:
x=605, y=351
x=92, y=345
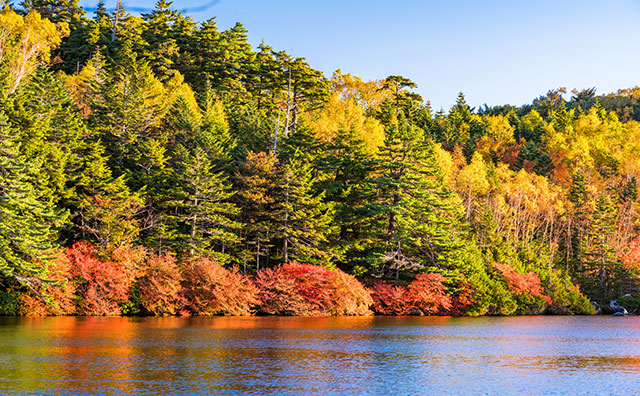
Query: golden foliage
x=26, y=43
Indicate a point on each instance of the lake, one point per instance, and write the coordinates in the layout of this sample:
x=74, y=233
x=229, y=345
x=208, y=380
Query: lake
x=542, y=355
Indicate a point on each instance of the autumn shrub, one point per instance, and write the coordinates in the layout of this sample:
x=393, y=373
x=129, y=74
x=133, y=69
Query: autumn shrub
x=55, y=294
x=103, y=283
x=210, y=289
x=295, y=289
x=428, y=294
x=462, y=298
x=160, y=285
x=310, y=290
x=526, y=287
x=350, y=297
x=389, y=299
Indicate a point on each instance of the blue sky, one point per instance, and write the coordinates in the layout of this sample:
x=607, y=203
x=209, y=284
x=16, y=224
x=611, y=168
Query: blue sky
x=495, y=51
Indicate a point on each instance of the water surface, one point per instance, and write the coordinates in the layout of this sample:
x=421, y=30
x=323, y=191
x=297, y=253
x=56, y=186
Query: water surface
x=320, y=356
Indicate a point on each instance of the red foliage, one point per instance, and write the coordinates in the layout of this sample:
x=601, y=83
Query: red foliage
x=160, y=285
x=630, y=256
x=389, y=299
x=56, y=293
x=103, y=284
x=510, y=155
x=213, y=290
x=462, y=299
x=428, y=294
x=311, y=290
x=519, y=284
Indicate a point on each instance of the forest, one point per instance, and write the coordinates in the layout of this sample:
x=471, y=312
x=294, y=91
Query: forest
x=155, y=165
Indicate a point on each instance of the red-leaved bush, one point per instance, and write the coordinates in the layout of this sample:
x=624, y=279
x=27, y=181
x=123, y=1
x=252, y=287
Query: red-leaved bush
x=310, y=290
x=55, y=295
x=462, y=299
x=428, y=294
x=389, y=299
x=160, y=285
x=103, y=284
x=519, y=284
x=210, y=289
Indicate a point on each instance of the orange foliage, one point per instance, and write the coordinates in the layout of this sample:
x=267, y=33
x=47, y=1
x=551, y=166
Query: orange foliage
x=103, y=284
x=428, y=294
x=519, y=284
x=311, y=290
x=630, y=256
x=462, y=299
x=213, y=290
x=160, y=286
x=350, y=297
x=56, y=293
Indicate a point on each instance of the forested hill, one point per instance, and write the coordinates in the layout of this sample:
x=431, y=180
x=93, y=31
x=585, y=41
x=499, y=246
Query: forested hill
x=135, y=147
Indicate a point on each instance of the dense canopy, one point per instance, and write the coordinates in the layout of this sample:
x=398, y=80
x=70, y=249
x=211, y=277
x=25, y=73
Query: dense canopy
x=140, y=156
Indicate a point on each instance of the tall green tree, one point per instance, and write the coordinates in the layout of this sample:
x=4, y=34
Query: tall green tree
x=304, y=218
x=27, y=221
x=413, y=216
x=202, y=208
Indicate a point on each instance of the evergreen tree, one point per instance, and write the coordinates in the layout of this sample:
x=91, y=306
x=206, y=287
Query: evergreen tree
x=107, y=213
x=412, y=214
x=203, y=212
x=602, y=252
x=579, y=197
x=127, y=109
x=304, y=218
x=161, y=49
x=27, y=222
x=257, y=180
x=345, y=164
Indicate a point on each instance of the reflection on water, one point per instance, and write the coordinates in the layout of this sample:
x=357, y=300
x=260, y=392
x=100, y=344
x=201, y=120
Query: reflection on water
x=320, y=356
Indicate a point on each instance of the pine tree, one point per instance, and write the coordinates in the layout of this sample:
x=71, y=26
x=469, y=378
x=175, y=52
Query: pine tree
x=602, y=229
x=127, y=109
x=203, y=212
x=107, y=213
x=304, y=218
x=345, y=164
x=52, y=133
x=55, y=10
x=412, y=216
x=256, y=196
x=161, y=50
x=579, y=197
x=27, y=222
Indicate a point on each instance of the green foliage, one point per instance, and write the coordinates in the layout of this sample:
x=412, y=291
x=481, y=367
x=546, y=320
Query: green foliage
x=9, y=302
x=181, y=137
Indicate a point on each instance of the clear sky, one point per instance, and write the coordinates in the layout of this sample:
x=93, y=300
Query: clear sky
x=495, y=51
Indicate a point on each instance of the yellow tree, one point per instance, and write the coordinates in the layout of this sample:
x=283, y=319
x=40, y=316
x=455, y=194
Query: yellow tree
x=368, y=94
x=26, y=43
x=345, y=114
x=472, y=181
x=498, y=139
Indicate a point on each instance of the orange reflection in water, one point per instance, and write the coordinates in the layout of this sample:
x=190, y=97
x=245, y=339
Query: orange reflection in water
x=312, y=356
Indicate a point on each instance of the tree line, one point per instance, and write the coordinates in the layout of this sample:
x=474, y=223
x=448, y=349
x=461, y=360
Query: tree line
x=159, y=133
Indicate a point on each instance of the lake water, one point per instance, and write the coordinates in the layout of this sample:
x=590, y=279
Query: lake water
x=320, y=356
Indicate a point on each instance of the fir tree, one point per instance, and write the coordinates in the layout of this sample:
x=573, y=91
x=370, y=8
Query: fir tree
x=27, y=222
x=203, y=212
x=304, y=218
